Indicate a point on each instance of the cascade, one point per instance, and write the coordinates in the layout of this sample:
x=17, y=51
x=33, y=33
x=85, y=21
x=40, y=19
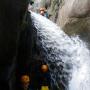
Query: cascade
x=67, y=57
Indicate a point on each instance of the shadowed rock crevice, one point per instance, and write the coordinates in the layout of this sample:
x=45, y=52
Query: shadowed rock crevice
x=16, y=42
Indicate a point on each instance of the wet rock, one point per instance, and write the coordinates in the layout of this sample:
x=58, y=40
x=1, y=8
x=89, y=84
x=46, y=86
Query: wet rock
x=74, y=18
x=16, y=42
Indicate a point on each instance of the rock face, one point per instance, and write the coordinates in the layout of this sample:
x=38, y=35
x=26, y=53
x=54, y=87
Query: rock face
x=16, y=42
x=74, y=16
x=74, y=9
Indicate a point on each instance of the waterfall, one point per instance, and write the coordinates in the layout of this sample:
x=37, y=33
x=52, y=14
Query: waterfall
x=67, y=57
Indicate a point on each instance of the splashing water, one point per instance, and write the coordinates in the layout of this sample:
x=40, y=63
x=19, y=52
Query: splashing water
x=62, y=51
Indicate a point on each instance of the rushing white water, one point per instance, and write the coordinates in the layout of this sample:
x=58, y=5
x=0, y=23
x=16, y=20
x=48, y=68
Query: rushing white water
x=60, y=49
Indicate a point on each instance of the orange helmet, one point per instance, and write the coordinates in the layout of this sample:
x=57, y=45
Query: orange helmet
x=44, y=68
x=42, y=9
x=25, y=79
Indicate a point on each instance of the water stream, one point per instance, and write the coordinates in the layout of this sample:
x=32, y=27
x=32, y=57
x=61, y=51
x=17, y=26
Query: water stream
x=68, y=57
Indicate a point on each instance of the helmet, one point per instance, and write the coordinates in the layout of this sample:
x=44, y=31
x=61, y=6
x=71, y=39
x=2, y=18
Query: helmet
x=25, y=79
x=42, y=9
x=44, y=68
